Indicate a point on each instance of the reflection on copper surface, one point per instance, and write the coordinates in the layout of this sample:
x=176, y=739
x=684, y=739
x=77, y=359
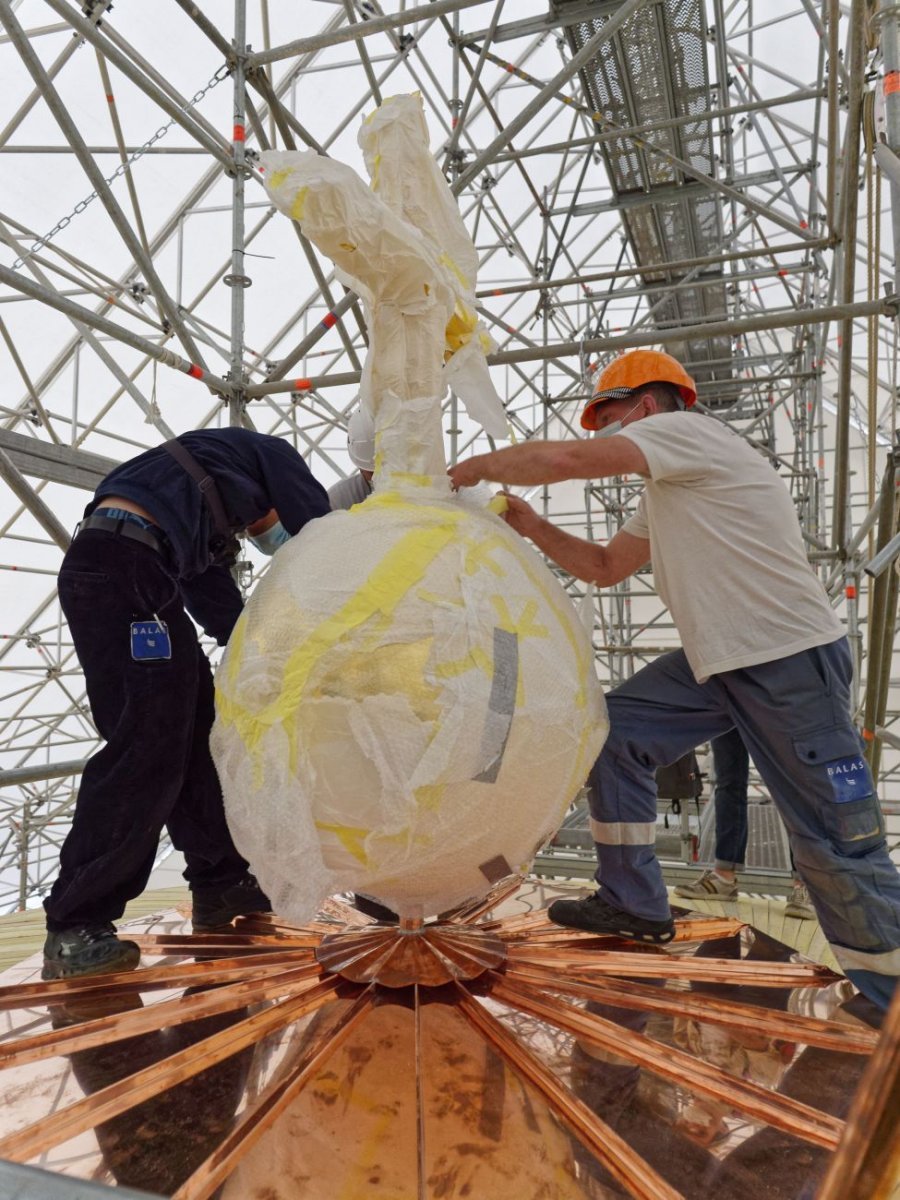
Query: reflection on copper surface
x=642, y=1181
x=868, y=1160
x=692, y=1073
x=111, y=1101
x=261, y=1114
x=538, y=928
x=653, y=963
x=744, y=1017
x=676, y=1071
x=104, y=1030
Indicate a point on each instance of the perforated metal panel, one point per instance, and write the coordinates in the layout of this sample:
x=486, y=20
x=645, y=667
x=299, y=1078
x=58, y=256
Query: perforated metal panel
x=654, y=69
x=768, y=847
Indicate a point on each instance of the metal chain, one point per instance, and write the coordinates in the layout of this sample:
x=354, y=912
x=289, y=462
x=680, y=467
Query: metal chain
x=221, y=73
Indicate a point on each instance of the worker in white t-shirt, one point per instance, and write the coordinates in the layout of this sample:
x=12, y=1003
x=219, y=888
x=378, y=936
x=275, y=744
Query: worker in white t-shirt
x=763, y=652
x=361, y=448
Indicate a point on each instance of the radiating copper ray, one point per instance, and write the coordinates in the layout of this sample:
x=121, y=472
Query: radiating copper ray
x=867, y=1163
x=282, y=930
x=471, y=910
x=339, y=910
x=102, y=1031
x=810, y=1031
x=220, y=943
x=265, y=1110
x=395, y=957
x=332, y=911
x=689, y=1072
x=547, y=933
x=110, y=1101
x=623, y=1163
x=670, y=966
x=147, y=979
x=269, y=925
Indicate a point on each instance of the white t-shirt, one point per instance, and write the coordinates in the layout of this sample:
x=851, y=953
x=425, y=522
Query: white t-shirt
x=725, y=546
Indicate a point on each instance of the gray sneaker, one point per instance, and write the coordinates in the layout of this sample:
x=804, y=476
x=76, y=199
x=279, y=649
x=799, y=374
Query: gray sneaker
x=798, y=905
x=709, y=886
x=87, y=950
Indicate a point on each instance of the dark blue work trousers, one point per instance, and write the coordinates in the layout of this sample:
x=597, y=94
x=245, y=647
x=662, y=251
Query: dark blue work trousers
x=793, y=715
x=732, y=765
x=155, y=769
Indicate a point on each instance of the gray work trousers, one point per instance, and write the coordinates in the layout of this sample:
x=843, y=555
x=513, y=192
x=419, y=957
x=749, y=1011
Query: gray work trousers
x=794, y=716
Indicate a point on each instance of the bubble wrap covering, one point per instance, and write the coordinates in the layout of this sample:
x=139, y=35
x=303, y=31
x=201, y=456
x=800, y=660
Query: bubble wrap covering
x=406, y=708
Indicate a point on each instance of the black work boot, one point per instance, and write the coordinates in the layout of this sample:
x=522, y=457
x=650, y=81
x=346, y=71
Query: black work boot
x=88, y=950
x=374, y=908
x=596, y=916
x=216, y=907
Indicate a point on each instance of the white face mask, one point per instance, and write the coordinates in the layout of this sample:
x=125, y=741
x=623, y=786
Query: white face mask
x=270, y=539
x=615, y=426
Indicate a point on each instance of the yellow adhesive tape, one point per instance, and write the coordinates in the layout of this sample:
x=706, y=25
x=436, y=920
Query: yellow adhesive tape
x=400, y=569
x=433, y=514
x=299, y=204
x=351, y=837
x=429, y=797
x=476, y=660
x=451, y=266
x=478, y=554
x=459, y=329
x=525, y=624
x=408, y=477
x=499, y=504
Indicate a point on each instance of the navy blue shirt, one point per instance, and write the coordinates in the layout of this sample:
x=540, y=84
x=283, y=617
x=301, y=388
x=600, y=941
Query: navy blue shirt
x=254, y=473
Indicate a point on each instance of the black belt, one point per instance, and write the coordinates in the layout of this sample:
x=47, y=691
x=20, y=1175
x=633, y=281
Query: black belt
x=124, y=528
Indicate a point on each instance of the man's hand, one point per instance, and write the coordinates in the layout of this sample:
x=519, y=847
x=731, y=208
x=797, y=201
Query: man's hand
x=521, y=516
x=466, y=473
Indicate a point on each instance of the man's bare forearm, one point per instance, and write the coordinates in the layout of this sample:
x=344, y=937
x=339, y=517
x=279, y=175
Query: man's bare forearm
x=582, y=559
x=527, y=463
x=551, y=462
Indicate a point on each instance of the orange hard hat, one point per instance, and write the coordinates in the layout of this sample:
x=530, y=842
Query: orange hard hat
x=634, y=370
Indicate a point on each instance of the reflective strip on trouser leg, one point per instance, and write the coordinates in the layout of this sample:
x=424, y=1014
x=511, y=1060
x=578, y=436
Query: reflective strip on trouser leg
x=654, y=717
x=794, y=715
x=887, y=963
x=624, y=833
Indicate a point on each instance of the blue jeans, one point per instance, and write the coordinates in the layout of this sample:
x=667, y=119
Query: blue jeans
x=793, y=715
x=732, y=763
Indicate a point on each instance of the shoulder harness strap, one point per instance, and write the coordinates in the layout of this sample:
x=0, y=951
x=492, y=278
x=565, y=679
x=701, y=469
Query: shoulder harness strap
x=209, y=492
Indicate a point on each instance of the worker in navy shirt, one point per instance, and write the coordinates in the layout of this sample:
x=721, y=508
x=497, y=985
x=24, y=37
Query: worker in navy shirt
x=156, y=544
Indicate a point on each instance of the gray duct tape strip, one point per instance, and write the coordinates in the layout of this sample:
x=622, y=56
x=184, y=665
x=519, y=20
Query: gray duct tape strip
x=502, y=703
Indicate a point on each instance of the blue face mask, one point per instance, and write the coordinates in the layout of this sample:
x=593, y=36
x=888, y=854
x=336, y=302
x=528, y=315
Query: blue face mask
x=270, y=539
x=616, y=426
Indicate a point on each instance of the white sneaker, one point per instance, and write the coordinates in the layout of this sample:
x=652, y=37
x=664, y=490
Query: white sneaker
x=709, y=886
x=798, y=905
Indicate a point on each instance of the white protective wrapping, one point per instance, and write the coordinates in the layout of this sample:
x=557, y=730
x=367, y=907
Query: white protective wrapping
x=408, y=703
x=406, y=708
x=413, y=187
